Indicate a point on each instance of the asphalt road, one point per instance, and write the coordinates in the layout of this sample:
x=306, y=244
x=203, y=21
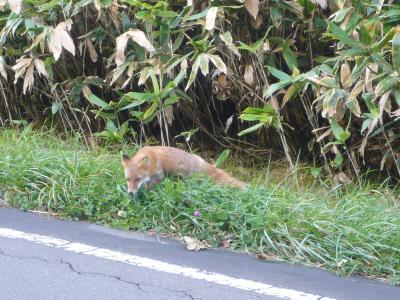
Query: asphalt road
x=43, y=258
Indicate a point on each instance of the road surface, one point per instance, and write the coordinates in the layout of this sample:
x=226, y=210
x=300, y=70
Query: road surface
x=44, y=258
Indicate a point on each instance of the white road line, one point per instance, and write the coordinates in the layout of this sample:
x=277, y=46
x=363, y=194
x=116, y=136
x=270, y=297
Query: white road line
x=239, y=283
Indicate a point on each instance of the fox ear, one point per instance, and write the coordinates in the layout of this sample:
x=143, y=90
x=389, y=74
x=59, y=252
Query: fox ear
x=125, y=158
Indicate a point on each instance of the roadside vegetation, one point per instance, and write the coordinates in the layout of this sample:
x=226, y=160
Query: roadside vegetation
x=350, y=230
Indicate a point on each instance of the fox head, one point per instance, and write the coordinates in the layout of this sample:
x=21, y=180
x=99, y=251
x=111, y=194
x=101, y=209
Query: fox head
x=137, y=171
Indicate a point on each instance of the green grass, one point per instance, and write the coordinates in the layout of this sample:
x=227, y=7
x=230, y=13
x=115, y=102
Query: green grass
x=352, y=231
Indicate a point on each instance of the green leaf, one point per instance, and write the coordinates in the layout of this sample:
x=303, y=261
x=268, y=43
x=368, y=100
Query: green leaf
x=55, y=107
x=387, y=83
x=164, y=13
x=340, y=134
x=315, y=172
x=289, y=57
x=223, y=156
x=388, y=36
x=204, y=63
x=156, y=87
x=92, y=98
x=396, y=50
x=134, y=104
x=275, y=87
x=217, y=62
x=282, y=76
x=276, y=16
x=338, y=160
x=193, y=73
x=251, y=129
x=138, y=96
x=197, y=16
x=339, y=34
x=150, y=111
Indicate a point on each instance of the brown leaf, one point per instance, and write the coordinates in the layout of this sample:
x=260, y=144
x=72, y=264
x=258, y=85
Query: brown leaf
x=193, y=244
x=322, y=3
x=288, y=95
x=169, y=114
x=252, y=7
x=29, y=79
x=20, y=67
x=263, y=256
x=40, y=67
x=36, y=41
x=3, y=71
x=358, y=88
x=345, y=75
x=341, y=178
x=92, y=50
x=384, y=105
x=210, y=17
x=138, y=37
x=15, y=6
x=256, y=23
x=249, y=75
x=54, y=43
x=370, y=75
x=325, y=134
x=228, y=124
x=227, y=243
x=67, y=42
x=114, y=15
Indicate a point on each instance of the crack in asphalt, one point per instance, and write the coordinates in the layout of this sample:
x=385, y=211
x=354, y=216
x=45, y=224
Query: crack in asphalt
x=82, y=273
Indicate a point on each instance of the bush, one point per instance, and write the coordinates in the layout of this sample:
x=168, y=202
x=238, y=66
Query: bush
x=311, y=75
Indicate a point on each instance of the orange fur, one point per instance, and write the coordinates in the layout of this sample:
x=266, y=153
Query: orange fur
x=150, y=164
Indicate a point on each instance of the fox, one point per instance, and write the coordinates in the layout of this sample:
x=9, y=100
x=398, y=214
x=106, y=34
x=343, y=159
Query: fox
x=150, y=164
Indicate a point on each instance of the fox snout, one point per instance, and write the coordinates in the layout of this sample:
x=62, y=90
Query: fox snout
x=133, y=188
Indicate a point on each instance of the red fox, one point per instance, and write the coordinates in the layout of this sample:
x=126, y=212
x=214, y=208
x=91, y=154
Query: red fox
x=150, y=164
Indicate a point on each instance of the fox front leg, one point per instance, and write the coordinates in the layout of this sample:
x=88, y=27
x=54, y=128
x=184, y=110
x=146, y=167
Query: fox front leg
x=155, y=179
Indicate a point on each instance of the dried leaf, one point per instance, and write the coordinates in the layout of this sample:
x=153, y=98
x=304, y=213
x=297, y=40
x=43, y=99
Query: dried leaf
x=29, y=79
x=138, y=37
x=345, y=75
x=341, y=178
x=193, y=244
x=358, y=88
x=3, y=71
x=210, y=18
x=370, y=75
x=67, y=42
x=36, y=41
x=383, y=105
x=169, y=114
x=54, y=43
x=92, y=50
x=20, y=67
x=325, y=134
x=144, y=74
x=263, y=256
x=252, y=7
x=228, y=40
x=289, y=94
x=228, y=124
x=15, y=6
x=227, y=243
x=217, y=61
x=322, y=3
x=249, y=75
x=40, y=67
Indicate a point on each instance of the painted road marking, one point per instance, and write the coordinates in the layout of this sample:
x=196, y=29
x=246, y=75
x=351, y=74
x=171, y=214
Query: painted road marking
x=239, y=283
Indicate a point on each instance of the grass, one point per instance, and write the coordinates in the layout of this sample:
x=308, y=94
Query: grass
x=351, y=231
